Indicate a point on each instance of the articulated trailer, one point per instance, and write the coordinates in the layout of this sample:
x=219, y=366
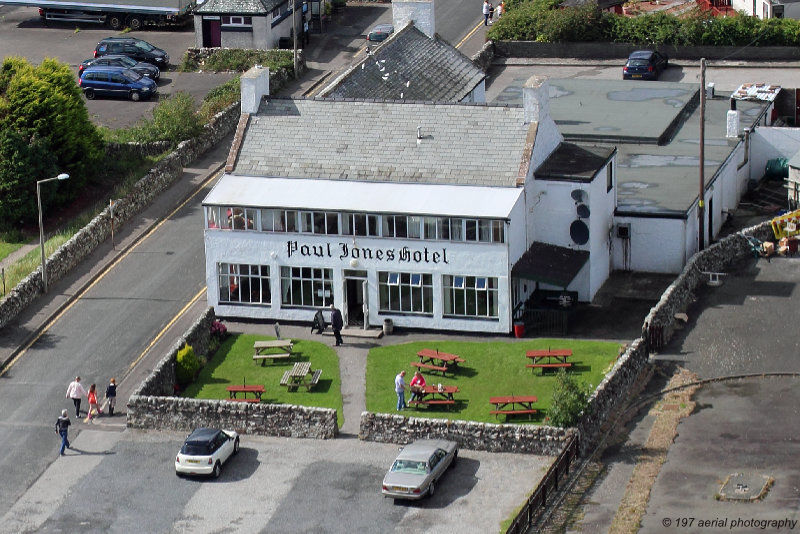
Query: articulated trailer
x=133, y=14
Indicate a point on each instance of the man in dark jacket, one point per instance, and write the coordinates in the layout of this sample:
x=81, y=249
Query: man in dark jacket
x=62, y=428
x=336, y=324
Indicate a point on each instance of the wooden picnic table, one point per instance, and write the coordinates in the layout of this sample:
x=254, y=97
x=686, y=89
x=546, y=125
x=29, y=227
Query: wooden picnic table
x=433, y=360
x=519, y=405
x=263, y=350
x=549, y=358
x=431, y=394
x=256, y=390
x=301, y=374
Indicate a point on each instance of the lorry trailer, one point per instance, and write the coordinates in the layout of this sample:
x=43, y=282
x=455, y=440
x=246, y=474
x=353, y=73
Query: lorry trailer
x=133, y=14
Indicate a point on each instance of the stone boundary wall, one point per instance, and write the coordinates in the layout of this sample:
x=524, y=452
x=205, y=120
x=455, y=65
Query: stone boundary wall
x=532, y=49
x=615, y=387
x=152, y=405
x=159, y=178
x=526, y=439
x=485, y=56
x=277, y=79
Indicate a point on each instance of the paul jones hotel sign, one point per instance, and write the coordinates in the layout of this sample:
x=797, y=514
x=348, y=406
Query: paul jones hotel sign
x=343, y=251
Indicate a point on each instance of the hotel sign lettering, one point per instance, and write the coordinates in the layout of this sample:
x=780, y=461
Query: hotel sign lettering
x=344, y=251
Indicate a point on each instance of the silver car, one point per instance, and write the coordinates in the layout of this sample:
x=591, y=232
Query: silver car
x=418, y=467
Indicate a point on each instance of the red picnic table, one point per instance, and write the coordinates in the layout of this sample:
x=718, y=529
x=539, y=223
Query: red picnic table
x=432, y=394
x=256, y=390
x=434, y=360
x=519, y=405
x=549, y=358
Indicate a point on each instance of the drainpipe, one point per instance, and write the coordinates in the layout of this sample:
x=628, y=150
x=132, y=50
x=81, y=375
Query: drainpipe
x=747, y=132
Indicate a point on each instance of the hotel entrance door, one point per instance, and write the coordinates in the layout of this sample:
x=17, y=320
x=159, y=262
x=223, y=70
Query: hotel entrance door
x=355, y=303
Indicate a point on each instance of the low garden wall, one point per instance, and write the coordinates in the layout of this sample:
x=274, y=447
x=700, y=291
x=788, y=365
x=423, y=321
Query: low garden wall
x=159, y=178
x=527, y=439
x=153, y=406
x=532, y=49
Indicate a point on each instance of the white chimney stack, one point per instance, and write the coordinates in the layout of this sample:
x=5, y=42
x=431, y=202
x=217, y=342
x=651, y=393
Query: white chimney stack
x=420, y=12
x=255, y=85
x=536, y=99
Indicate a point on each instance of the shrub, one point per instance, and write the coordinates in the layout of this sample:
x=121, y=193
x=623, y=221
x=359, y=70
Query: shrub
x=569, y=399
x=187, y=365
x=174, y=120
x=220, y=98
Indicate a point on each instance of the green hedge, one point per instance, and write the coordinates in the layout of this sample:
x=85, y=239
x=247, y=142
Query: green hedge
x=544, y=22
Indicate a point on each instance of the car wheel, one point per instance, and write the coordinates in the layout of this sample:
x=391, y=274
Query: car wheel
x=135, y=23
x=431, y=489
x=217, y=470
x=115, y=22
x=89, y=94
x=135, y=96
x=236, y=446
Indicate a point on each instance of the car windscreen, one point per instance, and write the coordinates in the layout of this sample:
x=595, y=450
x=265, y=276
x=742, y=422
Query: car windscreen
x=131, y=75
x=125, y=60
x=411, y=467
x=196, y=449
x=144, y=45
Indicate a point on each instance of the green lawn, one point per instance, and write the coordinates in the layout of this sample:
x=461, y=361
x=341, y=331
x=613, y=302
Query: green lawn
x=8, y=248
x=233, y=364
x=491, y=369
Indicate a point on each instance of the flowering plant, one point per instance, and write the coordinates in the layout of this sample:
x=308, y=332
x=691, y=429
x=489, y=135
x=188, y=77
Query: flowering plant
x=219, y=330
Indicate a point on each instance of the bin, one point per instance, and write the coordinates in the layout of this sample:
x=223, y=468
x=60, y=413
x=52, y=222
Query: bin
x=388, y=327
x=519, y=329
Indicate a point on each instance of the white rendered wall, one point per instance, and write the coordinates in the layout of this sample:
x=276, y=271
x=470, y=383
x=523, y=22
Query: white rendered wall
x=656, y=245
x=744, y=5
x=769, y=143
x=419, y=11
x=260, y=248
x=477, y=95
x=601, y=219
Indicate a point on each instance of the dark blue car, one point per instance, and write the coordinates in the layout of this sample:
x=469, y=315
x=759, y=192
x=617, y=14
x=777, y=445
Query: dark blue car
x=116, y=82
x=644, y=65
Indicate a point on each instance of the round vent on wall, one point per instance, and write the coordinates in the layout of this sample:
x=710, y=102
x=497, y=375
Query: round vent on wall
x=583, y=211
x=579, y=232
x=578, y=195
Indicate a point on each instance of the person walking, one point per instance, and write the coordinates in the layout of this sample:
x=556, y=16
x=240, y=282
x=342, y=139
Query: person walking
x=75, y=392
x=111, y=396
x=62, y=429
x=93, y=408
x=400, y=389
x=491, y=12
x=485, y=12
x=336, y=324
x=501, y=8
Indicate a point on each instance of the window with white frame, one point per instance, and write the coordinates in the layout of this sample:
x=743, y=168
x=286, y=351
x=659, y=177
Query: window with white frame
x=306, y=286
x=405, y=292
x=237, y=20
x=470, y=296
x=243, y=284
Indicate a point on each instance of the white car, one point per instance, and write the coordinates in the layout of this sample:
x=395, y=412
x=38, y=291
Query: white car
x=205, y=450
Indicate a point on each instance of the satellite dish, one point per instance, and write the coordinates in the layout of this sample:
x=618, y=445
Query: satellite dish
x=583, y=211
x=579, y=232
x=579, y=195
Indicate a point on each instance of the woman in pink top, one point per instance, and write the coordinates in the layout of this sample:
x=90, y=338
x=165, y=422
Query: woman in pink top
x=93, y=408
x=417, y=383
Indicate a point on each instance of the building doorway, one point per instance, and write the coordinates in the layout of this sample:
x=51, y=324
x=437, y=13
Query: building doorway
x=355, y=289
x=212, y=32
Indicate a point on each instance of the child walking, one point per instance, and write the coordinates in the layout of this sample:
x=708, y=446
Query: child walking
x=93, y=408
x=111, y=397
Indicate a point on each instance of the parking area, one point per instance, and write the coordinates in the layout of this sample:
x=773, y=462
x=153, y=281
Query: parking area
x=128, y=481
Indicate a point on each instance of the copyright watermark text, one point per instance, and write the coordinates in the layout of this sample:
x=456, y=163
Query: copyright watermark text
x=730, y=523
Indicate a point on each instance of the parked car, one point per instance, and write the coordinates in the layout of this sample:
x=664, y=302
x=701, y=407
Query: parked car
x=380, y=32
x=645, y=65
x=133, y=48
x=118, y=60
x=205, y=450
x=116, y=81
x=418, y=467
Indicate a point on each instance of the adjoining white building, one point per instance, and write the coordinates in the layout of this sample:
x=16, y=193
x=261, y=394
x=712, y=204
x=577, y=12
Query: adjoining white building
x=422, y=213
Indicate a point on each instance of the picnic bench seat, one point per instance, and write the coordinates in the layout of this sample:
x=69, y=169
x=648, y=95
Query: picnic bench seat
x=439, y=368
x=245, y=400
x=315, y=378
x=285, y=378
x=437, y=401
x=512, y=412
x=548, y=365
x=276, y=356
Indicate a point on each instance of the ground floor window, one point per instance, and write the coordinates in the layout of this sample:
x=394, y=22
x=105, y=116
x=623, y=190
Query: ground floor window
x=405, y=292
x=241, y=283
x=469, y=296
x=306, y=286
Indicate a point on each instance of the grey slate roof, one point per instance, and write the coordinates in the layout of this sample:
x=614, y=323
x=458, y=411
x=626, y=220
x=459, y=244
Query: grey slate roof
x=464, y=144
x=409, y=65
x=238, y=7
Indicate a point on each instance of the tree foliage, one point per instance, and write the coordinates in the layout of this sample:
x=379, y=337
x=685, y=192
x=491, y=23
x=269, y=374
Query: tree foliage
x=569, y=399
x=45, y=129
x=186, y=366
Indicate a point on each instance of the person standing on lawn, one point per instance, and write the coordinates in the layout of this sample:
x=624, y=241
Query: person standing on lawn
x=400, y=389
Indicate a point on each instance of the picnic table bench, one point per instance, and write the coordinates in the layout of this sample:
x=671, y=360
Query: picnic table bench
x=432, y=395
x=434, y=360
x=301, y=374
x=549, y=358
x=513, y=405
x=262, y=349
x=256, y=390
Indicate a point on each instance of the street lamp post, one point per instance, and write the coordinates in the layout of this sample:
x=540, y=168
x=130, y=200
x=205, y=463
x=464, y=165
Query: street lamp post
x=62, y=176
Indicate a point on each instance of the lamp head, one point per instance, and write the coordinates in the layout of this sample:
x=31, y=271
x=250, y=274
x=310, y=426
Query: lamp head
x=63, y=176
